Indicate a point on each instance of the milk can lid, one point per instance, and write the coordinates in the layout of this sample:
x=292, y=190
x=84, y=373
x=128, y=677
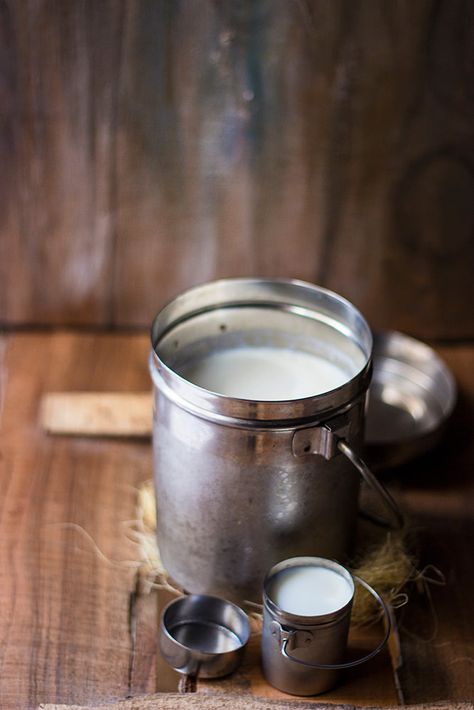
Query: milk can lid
x=412, y=395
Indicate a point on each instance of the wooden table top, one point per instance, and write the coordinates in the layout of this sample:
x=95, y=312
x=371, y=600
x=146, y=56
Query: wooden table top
x=72, y=627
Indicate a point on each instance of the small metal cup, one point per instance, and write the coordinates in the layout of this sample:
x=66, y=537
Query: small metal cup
x=203, y=636
x=303, y=655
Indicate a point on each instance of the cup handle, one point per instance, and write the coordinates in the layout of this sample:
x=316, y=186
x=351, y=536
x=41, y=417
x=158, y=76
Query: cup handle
x=286, y=636
x=376, y=486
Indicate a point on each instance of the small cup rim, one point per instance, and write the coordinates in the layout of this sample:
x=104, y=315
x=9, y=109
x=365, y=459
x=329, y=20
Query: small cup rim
x=196, y=652
x=300, y=619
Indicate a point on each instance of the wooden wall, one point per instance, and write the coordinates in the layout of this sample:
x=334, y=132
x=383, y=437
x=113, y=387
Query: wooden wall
x=148, y=145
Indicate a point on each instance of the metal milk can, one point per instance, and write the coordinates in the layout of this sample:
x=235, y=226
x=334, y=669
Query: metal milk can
x=241, y=484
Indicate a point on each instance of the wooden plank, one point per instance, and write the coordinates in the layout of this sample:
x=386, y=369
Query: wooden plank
x=57, y=150
x=438, y=492
x=231, y=702
x=97, y=414
x=68, y=572
x=144, y=671
x=326, y=141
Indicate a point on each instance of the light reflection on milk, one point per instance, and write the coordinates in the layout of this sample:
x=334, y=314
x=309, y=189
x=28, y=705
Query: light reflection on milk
x=310, y=590
x=266, y=373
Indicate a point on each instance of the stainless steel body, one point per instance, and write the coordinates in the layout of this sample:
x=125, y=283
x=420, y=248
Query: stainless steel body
x=242, y=484
x=203, y=635
x=304, y=655
x=232, y=502
x=411, y=396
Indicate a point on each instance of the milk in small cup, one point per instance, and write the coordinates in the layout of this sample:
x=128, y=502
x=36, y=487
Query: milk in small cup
x=311, y=590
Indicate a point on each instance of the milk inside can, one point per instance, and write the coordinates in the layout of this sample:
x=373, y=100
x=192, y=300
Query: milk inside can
x=260, y=386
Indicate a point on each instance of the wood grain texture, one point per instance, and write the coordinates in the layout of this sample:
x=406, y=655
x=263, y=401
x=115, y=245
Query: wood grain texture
x=66, y=578
x=229, y=702
x=438, y=493
x=147, y=146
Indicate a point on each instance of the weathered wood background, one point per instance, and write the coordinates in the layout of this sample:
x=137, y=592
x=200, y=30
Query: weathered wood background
x=147, y=145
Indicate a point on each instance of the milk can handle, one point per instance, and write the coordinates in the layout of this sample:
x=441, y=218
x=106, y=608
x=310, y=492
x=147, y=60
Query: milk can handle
x=357, y=661
x=376, y=485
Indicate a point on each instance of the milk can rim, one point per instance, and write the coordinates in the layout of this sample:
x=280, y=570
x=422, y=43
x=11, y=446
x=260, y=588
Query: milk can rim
x=265, y=409
x=253, y=281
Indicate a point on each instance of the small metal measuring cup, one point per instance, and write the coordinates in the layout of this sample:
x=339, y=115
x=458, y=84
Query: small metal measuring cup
x=303, y=655
x=203, y=636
